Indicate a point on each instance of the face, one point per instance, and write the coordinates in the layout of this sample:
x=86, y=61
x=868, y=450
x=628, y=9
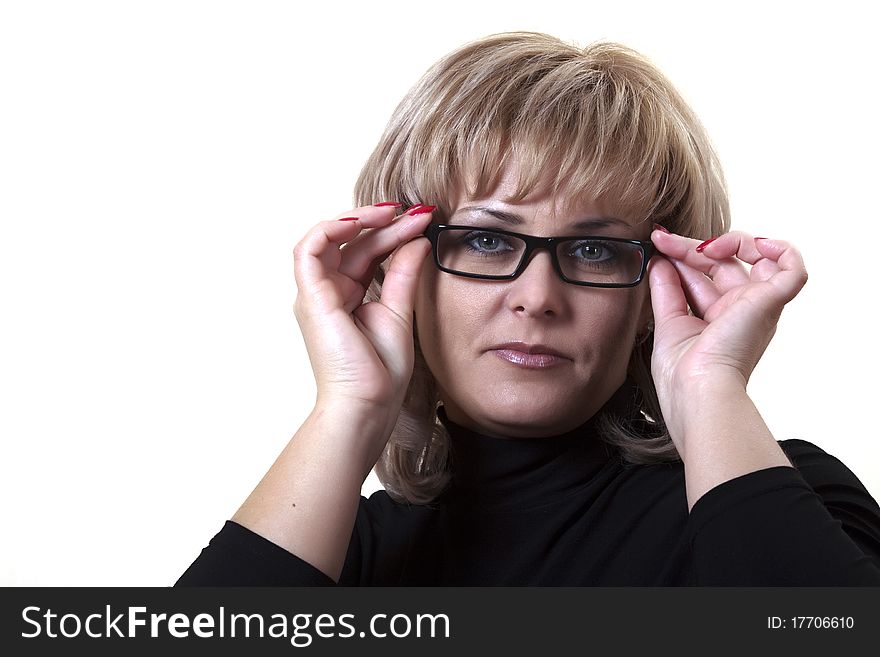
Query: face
x=461, y=321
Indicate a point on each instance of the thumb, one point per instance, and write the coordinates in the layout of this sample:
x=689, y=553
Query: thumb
x=667, y=296
x=402, y=277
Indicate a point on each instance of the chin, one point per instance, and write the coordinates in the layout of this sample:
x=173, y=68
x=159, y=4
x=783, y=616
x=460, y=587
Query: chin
x=524, y=407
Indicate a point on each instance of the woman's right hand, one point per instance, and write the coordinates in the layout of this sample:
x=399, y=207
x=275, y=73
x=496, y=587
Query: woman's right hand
x=362, y=354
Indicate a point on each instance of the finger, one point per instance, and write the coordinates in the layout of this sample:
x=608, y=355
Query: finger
x=667, y=296
x=735, y=244
x=792, y=274
x=364, y=254
x=775, y=261
x=318, y=253
x=401, y=280
x=701, y=292
x=371, y=216
x=722, y=264
x=384, y=223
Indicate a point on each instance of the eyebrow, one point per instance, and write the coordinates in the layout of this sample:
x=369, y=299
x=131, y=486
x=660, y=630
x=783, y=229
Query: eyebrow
x=516, y=220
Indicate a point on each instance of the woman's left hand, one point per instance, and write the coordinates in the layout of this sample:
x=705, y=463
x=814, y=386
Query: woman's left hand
x=735, y=310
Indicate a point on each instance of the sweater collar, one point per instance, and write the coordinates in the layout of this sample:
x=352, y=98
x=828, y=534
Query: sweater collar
x=491, y=472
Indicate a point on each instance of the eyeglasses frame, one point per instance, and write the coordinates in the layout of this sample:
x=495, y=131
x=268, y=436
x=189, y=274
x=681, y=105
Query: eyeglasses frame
x=533, y=243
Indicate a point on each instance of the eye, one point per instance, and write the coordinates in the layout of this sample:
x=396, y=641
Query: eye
x=483, y=242
x=592, y=251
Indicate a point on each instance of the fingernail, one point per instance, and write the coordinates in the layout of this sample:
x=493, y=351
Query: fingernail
x=413, y=207
x=387, y=203
x=349, y=219
x=705, y=244
x=660, y=228
x=423, y=209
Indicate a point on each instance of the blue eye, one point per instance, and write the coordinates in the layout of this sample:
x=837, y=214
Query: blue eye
x=482, y=243
x=594, y=252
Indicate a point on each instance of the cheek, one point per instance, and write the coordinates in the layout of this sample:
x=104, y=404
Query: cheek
x=450, y=320
x=607, y=324
x=435, y=324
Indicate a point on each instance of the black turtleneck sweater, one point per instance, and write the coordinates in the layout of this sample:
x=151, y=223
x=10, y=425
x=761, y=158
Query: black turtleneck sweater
x=567, y=511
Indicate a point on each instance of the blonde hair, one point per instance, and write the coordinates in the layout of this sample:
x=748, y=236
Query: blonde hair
x=592, y=123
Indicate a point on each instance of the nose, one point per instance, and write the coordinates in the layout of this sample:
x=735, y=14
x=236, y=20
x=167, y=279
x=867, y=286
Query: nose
x=538, y=289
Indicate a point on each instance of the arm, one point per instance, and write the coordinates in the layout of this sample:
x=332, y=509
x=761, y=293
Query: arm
x=814, y=524
x=723, y=437
x=713, y=322
x=307, y=501
x=754, y=520
x=362, y=355
x=296, y=527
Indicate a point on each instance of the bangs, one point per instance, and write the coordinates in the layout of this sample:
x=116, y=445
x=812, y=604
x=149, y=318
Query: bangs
x=571, y=156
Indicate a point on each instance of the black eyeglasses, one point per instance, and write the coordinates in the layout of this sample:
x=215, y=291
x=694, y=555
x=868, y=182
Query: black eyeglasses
x=495, y=254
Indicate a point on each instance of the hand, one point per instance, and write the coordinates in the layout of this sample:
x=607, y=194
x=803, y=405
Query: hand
x=735, y=309
x=362, y=354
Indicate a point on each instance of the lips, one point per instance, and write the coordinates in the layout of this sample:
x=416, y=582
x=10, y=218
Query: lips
x=530, y=356
x=526, y=348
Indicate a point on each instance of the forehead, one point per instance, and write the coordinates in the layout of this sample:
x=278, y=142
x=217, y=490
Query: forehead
x=539, y=203
x=514, y=218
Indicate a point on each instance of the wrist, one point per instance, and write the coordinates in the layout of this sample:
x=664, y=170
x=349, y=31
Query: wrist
x=709, y=384
x=693, y=402
x=353, y=431
x=725, y=438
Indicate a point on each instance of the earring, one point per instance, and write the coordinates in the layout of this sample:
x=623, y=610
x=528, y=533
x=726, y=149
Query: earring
x=643, y=335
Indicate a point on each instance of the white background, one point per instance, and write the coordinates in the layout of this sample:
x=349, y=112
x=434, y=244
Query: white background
x=160, y=160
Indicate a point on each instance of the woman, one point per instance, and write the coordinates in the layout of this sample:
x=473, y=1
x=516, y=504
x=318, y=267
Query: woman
x=537, y=413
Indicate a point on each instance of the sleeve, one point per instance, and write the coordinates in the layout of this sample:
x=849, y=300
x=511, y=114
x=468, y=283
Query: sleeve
x=811, y=525
x=236, y=556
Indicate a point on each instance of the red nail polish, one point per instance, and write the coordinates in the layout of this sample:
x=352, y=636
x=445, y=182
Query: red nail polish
x=349, y=219
x=423, y=209
x=660, y=228
x=705, y=244
x=387, y=203
x=413, y=207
